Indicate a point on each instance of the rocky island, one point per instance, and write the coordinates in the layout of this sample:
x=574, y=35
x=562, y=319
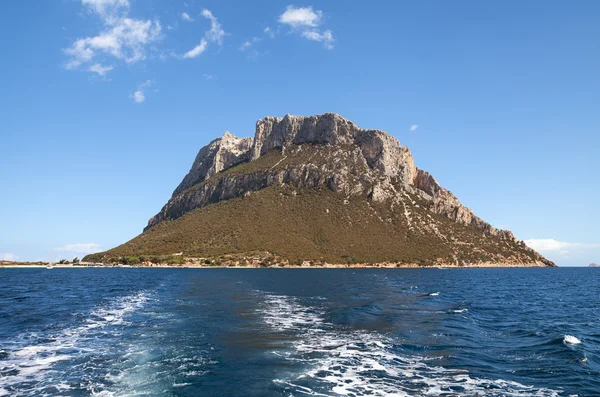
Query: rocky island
x=316, y=191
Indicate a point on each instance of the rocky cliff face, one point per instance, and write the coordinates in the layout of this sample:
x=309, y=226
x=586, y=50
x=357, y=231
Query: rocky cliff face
x=388, y=167
x=215, y=157
x=345, y=193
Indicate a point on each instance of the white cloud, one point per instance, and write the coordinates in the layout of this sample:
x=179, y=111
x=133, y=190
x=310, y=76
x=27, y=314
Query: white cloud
x=269, y=32
x=82, y=248
x=245, y=45
x=124, y=38
x=301, y=17
x=199, y=49
x=249, y=43
x=214, y=35
x=306, y=22
x=413, y=127
x=99, y=69
x=326, y=37
x=566, y=253
x=7, y=256
x=551, y=245
x=108, y=10
x=208, y=76
x=139, y=96
x=186, y=17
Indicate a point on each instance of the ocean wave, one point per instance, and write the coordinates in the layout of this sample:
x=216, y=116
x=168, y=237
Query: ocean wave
x=26, y=368
x=571, y=340
x=460, y=310
x=350, y=362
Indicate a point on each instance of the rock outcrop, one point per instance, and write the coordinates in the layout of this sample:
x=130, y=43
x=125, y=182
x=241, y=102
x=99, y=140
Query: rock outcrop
x=215, y=157
x=369, y=168
x=388, y=164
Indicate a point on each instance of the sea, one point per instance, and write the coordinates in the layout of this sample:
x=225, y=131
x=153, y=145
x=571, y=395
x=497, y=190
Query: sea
x=300, y=332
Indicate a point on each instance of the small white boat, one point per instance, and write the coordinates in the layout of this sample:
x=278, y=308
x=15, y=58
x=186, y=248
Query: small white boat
x=49, y=267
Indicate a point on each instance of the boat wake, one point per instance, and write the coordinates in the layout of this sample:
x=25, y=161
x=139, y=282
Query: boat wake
x=29, y=366
x=352, y=363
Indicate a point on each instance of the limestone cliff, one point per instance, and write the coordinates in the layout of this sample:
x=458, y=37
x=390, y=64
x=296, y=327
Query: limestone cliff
x=387, y=163
x=215, y=157
x=370, y=168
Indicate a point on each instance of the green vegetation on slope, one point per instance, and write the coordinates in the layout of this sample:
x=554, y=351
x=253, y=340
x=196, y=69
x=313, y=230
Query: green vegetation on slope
x=312, y=224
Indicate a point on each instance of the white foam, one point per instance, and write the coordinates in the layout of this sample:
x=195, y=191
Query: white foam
x=32, y=363
x=434, y=294
x=351, y=362
x=571, y=340
x=284, y=313
x=460, y=310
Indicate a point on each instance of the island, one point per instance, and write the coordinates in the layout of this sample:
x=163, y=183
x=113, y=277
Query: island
x=315, y=191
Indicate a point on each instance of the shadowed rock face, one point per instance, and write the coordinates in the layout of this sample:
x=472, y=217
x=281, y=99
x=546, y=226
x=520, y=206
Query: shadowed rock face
x=389, y=168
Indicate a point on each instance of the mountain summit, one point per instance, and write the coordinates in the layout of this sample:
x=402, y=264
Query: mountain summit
x=316, y=190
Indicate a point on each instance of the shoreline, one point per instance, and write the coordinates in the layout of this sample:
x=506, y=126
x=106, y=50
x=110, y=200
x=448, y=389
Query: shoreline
x=324, y=266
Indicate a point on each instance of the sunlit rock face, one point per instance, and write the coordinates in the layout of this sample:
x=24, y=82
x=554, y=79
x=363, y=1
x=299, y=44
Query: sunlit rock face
x=352, y=161
x=215, y=157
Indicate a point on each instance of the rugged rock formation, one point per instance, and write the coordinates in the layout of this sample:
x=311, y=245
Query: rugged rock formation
x=386, y=159
x=215, y=157
x=329, y=151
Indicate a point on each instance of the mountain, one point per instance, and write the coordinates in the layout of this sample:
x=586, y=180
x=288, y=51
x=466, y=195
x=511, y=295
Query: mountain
x=317, y=190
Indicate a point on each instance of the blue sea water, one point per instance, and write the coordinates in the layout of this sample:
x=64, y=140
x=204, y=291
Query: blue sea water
x=299, y=332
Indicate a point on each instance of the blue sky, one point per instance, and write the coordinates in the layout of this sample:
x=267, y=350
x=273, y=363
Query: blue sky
x=105, y=104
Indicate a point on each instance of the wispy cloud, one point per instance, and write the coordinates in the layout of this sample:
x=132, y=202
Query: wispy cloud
x=214, y=35
x=208, y=76
x=246, y=45
x=250, y=45
x=199, y=49
x=551, y=245
x=326, y=37
x=80, y=248
x=7, y=256
x=123, y=38
x=139, y=95
x=269, y=32
x=100, y=69
x=307, y=22
x=109, y=10
x=413, y=127
x=186, y=17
